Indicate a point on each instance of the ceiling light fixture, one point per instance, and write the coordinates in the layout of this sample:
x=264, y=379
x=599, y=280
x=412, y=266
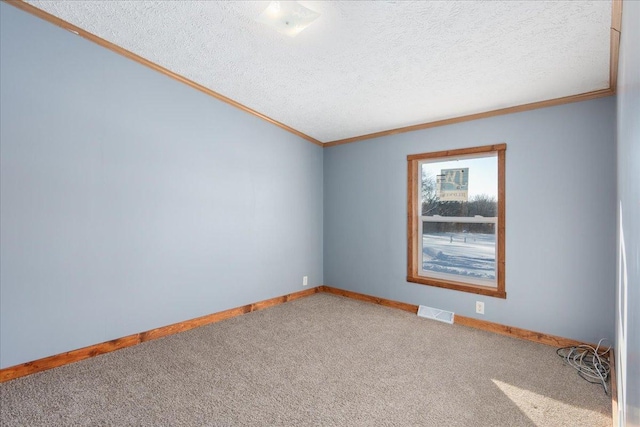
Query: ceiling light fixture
x=287, y=17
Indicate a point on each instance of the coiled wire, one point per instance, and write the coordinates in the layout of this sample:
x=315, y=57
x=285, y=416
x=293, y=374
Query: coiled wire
x=591, y=363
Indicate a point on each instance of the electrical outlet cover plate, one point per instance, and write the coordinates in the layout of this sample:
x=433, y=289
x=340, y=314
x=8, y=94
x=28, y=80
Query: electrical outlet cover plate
x=436, y=314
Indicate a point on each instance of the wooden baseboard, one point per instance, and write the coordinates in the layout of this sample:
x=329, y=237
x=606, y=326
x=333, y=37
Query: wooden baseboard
x=614, y=388
x=411, y=308
x=61, y=359
x=497, y=328
x=512, y=331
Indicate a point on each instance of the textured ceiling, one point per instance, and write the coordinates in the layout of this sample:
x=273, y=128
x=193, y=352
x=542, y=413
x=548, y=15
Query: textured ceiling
x=366, y=66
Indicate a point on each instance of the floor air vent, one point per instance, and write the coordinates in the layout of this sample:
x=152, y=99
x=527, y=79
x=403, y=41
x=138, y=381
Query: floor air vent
x=435, y=314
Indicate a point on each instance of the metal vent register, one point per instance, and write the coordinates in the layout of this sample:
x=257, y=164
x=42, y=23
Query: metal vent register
x=436, y=314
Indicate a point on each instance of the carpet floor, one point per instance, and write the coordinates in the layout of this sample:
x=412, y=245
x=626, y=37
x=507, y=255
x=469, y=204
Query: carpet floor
x=323, y=360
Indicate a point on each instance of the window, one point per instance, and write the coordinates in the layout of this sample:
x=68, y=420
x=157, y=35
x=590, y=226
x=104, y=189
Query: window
x=456, y=219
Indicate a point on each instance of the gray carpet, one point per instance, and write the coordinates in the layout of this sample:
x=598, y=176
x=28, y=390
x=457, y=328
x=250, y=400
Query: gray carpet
x=322, y=360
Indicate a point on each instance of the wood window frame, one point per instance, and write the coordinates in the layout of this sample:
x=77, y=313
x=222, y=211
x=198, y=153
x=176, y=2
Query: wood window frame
x=413, y=218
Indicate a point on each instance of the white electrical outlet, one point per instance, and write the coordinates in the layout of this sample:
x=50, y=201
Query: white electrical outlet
x=305, y=280
x=479, y=307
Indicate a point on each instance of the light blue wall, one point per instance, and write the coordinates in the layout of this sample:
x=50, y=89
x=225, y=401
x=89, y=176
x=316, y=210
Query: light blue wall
x=628, y=295
x=130, y=201
x=560, y=218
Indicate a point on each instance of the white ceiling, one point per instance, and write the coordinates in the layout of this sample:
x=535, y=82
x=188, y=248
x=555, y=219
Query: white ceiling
x=366, y=66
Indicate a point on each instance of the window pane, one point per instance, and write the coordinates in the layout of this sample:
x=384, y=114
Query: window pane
x=460, y=187
x=467, y=250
